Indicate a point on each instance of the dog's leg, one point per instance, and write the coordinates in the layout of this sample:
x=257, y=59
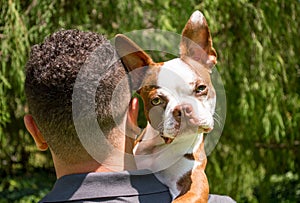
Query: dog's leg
x=194, y=185
x=198, y=192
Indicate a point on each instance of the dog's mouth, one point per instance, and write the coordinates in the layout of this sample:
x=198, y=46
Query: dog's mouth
x=204, y=130
x=169, y=140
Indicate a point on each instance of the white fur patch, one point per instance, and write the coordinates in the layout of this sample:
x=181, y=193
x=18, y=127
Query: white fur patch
x=176, y=75
x=172, y=174
x=177, y=82
x=197, y=18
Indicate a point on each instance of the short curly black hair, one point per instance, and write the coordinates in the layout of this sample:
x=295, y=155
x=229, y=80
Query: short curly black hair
x=51, y=72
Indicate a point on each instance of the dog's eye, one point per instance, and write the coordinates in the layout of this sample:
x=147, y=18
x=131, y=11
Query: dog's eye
x=201, y=90
x=156, y=101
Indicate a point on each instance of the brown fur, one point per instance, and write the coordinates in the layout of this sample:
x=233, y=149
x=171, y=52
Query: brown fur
x=203, y=72
x=195, y=36
x=194, y=185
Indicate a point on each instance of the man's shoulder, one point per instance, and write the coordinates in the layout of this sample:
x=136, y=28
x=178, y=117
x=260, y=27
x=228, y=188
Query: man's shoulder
x=108, y=187
x=114, y=187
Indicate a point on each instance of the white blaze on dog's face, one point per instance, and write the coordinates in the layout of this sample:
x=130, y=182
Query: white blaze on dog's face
x=179, y=98
x=178, y=94
x=190, y=97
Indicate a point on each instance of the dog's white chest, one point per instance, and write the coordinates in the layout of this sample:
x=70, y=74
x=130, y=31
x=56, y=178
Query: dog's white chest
x=168, y=166
x=174, y=173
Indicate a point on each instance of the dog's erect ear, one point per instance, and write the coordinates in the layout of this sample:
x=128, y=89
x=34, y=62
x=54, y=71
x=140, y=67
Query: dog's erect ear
x=131, y=54
x=133, y=58
x=196, y=41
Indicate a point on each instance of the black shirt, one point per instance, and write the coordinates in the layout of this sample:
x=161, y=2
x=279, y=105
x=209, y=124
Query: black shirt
x=113, y=187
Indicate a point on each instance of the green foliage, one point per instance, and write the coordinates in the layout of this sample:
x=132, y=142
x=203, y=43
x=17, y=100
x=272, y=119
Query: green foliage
x=14, y=51
x=26, y=187
x=257, y=157
x=258, y=60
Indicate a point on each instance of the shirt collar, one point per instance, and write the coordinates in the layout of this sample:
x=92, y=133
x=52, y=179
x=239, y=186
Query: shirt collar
x=104, y=184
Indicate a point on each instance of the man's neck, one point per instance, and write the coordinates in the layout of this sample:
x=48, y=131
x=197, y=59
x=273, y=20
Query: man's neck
x=63, y=169
x=119, y=159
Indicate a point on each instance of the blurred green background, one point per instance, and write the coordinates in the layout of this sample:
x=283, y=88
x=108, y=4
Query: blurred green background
x=257, y=158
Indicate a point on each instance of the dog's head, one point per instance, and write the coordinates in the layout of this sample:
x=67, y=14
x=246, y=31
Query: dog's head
x=178, y=94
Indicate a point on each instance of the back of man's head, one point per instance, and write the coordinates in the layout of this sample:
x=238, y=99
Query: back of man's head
x=51, y=73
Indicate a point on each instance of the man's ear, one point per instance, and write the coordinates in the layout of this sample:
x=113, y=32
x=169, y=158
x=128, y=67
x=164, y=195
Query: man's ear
x=132, y=124
x=133, y=58
x=35, y=133
x=196, y=41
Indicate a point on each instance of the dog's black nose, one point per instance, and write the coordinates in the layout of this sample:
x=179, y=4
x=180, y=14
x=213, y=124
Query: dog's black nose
x=182, y=110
